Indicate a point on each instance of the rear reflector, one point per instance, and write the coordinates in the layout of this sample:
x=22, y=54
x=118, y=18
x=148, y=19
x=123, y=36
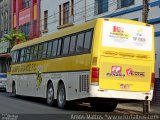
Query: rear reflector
x=95, y=75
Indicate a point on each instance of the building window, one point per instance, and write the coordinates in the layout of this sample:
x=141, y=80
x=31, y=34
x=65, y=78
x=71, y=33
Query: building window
x=124, y=3
x=6, y=21
x=46, y=20
x=101, y=6
x=60, y=15
x=25, y=29
x=2, y=23
x=25, y=3
x=72, y=7
x=66, y=13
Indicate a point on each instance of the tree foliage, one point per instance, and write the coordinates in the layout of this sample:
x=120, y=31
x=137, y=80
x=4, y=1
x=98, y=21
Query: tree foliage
x=13, y=36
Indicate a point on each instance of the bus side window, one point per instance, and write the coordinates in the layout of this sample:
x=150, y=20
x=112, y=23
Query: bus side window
x=23, y=56
x=28, y=53
x=44, y=52
x=49, y=51
x=40, y=50
x=59, y=47
x=80, y=39
x=87, y=41
x=54, y=47
x=31, y=53
x=72, y=44
x=18, y=56
x=66, y=45
x=14, y=59
x=35, y=54
x=13, y=56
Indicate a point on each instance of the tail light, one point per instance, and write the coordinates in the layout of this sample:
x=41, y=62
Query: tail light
x=95, y=75
x=152, y=79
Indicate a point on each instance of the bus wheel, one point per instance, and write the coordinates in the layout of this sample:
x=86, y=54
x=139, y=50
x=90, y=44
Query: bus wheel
x=50, y=94
x=61, y=96
x=107, y=107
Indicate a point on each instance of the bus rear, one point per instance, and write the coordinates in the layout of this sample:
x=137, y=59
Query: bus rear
x=123, y=60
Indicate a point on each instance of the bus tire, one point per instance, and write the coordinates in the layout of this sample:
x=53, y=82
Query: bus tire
x=107, y=107
x=61, y=96
x=50, y=94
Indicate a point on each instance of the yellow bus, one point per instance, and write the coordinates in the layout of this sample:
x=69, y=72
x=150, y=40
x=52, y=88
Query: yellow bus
x=100, y=61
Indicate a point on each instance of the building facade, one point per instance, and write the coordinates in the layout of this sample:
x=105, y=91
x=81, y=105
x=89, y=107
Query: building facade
x=59, y=14
x=5, y=27
x=26, y=17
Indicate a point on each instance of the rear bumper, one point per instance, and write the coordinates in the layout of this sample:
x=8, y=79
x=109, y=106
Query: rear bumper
x=96, y=92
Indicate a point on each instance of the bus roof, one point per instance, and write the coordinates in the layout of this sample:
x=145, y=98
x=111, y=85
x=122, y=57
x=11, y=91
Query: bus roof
x=60, y=33
x=73, y=29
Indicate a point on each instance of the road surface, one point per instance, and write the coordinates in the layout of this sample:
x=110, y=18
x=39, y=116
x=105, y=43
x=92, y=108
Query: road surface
x=36, y=108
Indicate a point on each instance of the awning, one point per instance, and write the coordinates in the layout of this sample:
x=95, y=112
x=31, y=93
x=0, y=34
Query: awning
x=5, y=54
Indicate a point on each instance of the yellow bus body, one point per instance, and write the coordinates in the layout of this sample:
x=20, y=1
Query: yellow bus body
x=106, y=59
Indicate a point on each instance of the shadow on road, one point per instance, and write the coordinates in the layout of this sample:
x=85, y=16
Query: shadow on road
x=75, y=106
x=41, y=101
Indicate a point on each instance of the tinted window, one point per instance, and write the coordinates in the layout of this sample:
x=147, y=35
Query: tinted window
x=72, y=44
x=54, y=48
x=102, y=6
x=27, y=53
x=66, y=45
x=15, y=56
x=18, y=55
x=40, y=49
x=23, y=55
x=87, y=41
x=80, y=39
x=32, y=53
x=49, y=49
x=59, y=47
x=35, y=53
x=45, y=45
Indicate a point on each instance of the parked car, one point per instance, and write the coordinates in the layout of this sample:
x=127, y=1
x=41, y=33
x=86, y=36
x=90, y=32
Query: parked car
x=3, y=81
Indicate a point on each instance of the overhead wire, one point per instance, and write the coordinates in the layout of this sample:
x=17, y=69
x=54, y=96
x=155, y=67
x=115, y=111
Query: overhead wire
x=78, y=16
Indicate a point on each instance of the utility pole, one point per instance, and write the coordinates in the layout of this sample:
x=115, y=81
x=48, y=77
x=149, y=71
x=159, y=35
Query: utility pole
x=146, y=102
x=145, y=10
x=85, y=10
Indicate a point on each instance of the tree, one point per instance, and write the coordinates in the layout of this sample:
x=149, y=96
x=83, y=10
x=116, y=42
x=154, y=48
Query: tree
x=13, y=37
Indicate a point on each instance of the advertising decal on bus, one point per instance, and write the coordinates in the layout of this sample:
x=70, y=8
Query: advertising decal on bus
x=133, y=37
x=39, y=76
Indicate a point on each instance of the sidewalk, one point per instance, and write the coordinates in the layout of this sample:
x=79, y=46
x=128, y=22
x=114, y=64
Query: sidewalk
x=138, y=107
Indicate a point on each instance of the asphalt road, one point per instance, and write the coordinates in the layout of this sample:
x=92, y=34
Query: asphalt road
x=29, y=108
x=36, y=108
x=29, y=105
